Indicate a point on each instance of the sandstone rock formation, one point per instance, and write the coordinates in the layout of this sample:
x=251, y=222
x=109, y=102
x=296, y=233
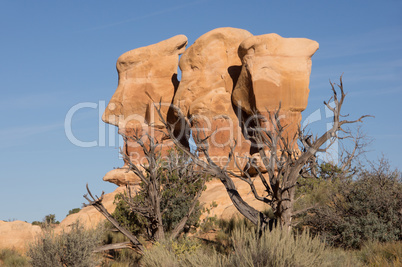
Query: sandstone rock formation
x=275, y=70
x=227, y=76
x=147, y=76
x=17, y=234
x=89, y=216
x=210, y=68
x=216, y=198
x=121, y=176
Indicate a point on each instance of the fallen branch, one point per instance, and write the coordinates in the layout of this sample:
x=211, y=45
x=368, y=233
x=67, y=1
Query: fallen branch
x=97, y=204
x=114, y=246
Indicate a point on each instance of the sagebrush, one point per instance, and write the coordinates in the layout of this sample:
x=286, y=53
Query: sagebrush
x=72, y=248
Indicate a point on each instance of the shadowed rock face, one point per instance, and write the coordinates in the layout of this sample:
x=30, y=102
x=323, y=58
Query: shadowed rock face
x=210, y=68
x=227, y=76
x=275, y=71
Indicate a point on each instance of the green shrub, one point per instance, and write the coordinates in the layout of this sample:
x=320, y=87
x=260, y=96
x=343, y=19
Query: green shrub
x=48, y=220
x=126, y=217
x=11, y=258
x=366, y=208
x=76, y=210
x=37, y=223
x=73, y=248
x=178, y=185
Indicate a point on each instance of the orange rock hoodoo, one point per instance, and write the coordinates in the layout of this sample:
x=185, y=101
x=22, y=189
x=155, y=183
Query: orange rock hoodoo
x=228, y=75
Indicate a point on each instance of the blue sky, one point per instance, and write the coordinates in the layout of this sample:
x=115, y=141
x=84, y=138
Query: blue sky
x=57, y=54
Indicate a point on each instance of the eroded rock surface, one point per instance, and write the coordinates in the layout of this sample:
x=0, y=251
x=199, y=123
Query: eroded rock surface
x=17, y=235
x=275, y=71
x=228, y=75
x=147, y=76
x=121, y=176
x=89, y=216
x=210, y=68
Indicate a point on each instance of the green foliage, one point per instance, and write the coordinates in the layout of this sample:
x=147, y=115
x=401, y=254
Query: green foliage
x=76, y=210
x=365, y=208
x=128, y=218
x=11, y=258
x=73, y=248
x=180, y=185
x=177, y=189
x=37, y=223
x=50, y=219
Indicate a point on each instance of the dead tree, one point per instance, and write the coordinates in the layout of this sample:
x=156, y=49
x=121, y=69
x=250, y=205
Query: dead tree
x=283, y=161
x=154, y=176
x=96, y=202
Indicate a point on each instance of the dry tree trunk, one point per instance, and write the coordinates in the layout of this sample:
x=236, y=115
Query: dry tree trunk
x=283, y=163
x=97, y=204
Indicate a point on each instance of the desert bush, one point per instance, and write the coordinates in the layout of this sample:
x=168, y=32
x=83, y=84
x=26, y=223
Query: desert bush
x=44, y=251
x=47, y=221
x=50, y=219
x=317, y=191
x=72, y=248
x=276, y=248
x=121, y=258
x=181, y=252
x=118, y=257
x=72, y=211
x=178, y=184
x=381, y=254
x=37, y=223
x=126, y=217
x=366, y=208
x=11, y=258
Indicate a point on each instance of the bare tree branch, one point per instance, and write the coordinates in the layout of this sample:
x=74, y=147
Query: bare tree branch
x=97, y=204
